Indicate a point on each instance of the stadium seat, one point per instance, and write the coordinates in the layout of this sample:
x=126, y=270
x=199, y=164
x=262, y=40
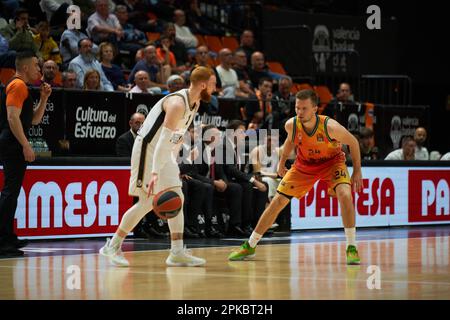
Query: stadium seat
x=303, y=86
x=58, y=78
x=213, y=43
x=201, y=40
x=6, y=74
x=325, y=96
x=277, y=67
x=153, y=36
x=230, y=43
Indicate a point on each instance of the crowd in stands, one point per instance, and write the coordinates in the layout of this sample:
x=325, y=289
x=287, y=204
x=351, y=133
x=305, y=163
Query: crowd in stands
x=145, y=46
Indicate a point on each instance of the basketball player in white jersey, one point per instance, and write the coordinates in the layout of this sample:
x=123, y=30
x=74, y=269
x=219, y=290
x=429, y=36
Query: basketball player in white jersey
x=154, y=167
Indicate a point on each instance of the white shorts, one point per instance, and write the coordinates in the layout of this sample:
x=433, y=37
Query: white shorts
x=169, y=176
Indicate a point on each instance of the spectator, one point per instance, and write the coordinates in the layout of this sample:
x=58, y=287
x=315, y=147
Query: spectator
x=420, y=136
x=86, y=61
x=143, y=84
x=253, y=200
x=103, y=25
x=92, y=80
x=177, y=47
x=138, y=11
x=214, y=171
x=165, y=55
x=195, y=19
x=158, y=74
x=124, y=144
x=264, y=159
x=112, y=72
x=55, y=10
x=406, y=152
x=69, y=79
x=183, y=33
x=18, y=34
x=367, y=144
x=201, y=59
x=69, y=45
x=241, y=68
x=49, y=70
x=133, y=39
x=344, y=94
x=47, y=46
x=265, y=111
x=175, y=83
x=228, y=77
x=248, y=44
x=259, y=69
x=200, y=190
x=285, y=98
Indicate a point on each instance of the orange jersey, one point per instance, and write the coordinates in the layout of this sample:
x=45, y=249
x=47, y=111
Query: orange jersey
x=316, y=148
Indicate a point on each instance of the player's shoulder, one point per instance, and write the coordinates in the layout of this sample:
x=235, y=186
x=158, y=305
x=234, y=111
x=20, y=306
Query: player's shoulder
x=16, y=84
x=290, y=123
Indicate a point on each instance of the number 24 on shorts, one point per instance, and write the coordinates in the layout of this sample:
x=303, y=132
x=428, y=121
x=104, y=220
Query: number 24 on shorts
x=339, y=173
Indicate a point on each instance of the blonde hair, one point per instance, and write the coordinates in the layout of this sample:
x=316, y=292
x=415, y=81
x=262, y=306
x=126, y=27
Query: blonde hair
x=86, y=77
x=201, y=74
x=103, y=45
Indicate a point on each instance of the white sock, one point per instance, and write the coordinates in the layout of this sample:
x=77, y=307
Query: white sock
x=254, y=239
x=350, y=235
x=176, y=245
x=116, y=241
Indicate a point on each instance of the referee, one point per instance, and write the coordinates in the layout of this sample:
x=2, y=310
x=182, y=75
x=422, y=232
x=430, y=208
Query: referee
x=16, y=117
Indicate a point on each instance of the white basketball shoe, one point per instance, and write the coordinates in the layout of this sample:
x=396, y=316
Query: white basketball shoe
x=114, y=254
x=183, y=258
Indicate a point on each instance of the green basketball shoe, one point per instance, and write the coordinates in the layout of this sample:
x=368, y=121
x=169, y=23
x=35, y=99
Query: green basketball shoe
x=352, y=255
x=244, y=252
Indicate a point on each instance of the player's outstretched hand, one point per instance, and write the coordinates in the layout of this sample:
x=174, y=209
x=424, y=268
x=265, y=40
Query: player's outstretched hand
x=357, y=181
x=151, y=184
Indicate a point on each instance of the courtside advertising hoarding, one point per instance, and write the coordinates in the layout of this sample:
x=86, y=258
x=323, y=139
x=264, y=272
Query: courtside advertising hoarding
x=63, y=202
x=391, y=196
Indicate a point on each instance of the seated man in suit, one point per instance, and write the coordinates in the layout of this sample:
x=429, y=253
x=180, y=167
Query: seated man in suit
x=199, y=189
x=223, y=189
x=124, y=144
x=254, y=192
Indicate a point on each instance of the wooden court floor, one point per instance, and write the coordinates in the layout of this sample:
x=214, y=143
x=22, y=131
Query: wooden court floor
x=409, y=268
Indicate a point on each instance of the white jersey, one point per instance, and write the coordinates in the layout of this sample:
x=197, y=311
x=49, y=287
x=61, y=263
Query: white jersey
x=145, y=145
x=152, y=126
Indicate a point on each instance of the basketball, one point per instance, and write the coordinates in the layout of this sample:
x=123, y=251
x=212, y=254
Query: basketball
x=167, y=204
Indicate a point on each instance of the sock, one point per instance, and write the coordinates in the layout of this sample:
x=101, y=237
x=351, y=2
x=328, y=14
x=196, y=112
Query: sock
x=176, y=245
x=254, y=239
x=117, y=239
x=350, y=235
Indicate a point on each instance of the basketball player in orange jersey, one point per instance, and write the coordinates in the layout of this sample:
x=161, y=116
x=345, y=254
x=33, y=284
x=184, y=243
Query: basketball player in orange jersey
x=319, y=157
x=154, y=167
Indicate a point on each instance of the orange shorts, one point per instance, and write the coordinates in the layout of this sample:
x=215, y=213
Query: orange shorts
x=297, y=183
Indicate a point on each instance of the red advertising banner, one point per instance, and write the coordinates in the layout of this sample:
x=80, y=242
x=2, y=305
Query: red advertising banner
x=71, y=201
x=429, y=198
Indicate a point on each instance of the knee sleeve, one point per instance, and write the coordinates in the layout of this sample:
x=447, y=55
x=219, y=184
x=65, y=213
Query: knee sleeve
x=176, y=224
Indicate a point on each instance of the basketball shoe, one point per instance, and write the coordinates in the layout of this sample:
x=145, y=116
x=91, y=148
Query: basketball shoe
x=114, y=254
x=183, y=258
x=244, y=252
x=352, y=255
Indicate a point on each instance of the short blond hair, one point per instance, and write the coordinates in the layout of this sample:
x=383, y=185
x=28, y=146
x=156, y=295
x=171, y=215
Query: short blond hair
x=201, y=74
